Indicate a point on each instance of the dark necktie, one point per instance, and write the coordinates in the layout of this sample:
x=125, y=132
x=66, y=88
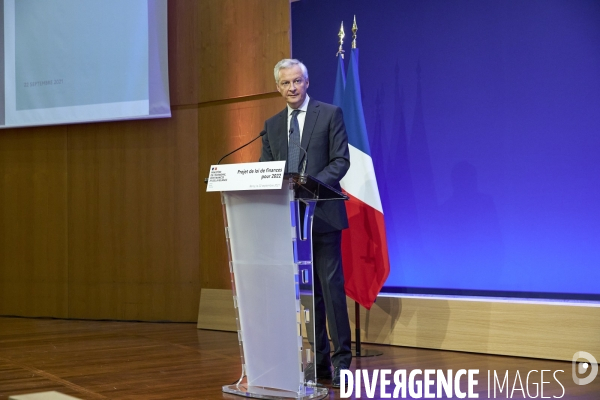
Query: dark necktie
x=294, y=144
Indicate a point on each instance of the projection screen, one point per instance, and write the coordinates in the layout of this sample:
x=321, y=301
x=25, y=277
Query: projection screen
x=69, y=61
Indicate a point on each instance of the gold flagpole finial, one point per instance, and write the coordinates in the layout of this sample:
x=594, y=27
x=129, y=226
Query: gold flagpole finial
x=341, y=35
x=354, y=30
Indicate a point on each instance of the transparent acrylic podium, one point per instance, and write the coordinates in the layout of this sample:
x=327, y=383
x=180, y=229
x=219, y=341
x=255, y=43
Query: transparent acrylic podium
x=269, y=242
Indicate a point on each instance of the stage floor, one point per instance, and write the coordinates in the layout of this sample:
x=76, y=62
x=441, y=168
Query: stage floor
x=140, y=360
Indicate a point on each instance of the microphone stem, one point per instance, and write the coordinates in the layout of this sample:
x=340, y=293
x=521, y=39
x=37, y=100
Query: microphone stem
x=239, y=148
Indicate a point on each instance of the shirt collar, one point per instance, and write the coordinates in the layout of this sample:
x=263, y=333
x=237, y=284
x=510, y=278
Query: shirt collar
x=303, y=107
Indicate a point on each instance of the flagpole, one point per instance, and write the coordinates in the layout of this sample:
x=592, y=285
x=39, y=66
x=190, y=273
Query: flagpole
x=358, y=350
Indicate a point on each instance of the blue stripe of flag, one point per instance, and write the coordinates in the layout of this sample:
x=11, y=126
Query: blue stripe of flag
x=340, y=83
x=352, y=107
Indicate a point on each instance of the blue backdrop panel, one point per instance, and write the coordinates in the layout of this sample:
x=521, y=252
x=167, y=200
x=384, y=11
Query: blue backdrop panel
x=484, y=124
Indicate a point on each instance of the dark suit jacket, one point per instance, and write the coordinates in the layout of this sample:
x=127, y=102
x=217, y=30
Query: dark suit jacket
x=325, y=140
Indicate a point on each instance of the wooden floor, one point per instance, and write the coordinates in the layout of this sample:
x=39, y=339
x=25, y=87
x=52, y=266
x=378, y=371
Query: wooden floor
x=135, y=360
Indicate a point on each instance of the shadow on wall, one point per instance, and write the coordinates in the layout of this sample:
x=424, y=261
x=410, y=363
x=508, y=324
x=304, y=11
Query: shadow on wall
x=426, y=323
x=470, y=239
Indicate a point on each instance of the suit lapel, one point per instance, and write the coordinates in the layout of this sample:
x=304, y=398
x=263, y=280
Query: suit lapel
x=282, y=145
x=312, y=112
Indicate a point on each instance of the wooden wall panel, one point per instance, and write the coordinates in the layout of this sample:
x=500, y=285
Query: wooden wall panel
x=33, y=222
x=516, y=328
x=183, y=51
x=240, y=43
x=216, y=311
x=222, y=128
x=133, y=219
x=101, y=220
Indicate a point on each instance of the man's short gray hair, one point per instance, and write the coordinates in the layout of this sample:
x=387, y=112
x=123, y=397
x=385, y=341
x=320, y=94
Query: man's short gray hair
x=289, y=63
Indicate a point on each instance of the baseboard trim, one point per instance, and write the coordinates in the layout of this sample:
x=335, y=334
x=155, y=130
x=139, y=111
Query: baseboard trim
x=549, y=330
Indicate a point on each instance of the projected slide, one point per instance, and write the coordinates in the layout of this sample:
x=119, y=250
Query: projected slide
x=83, y=60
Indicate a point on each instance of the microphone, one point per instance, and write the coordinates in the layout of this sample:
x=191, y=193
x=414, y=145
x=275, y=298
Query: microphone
x=302, y=174
x=261, y=134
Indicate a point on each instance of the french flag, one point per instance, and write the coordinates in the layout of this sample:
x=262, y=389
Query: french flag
x=364, y=244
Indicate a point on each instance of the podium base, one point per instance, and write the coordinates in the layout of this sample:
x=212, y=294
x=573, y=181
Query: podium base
x=259, y=392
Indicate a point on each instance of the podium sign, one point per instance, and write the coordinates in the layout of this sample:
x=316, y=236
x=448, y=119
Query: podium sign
x=246, y=176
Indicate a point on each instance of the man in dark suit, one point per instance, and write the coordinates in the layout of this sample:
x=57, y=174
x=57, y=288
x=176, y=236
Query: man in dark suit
x=319, y=129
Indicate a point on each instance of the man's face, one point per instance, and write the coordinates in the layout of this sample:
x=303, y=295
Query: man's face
x=292, y=86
